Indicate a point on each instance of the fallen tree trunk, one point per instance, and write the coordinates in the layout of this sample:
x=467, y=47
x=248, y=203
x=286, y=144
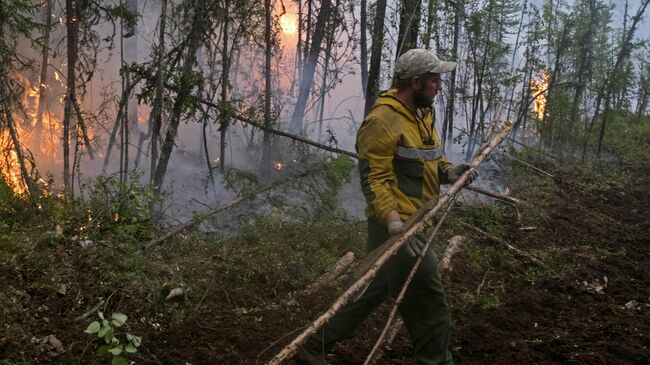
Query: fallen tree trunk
x=377, y=258
x=338, y=269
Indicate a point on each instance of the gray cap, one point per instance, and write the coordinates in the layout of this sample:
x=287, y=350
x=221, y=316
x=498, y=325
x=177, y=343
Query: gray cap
x=417, y=61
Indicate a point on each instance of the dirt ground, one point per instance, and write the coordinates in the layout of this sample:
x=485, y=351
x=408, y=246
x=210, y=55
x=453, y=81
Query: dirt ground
x=591, y=307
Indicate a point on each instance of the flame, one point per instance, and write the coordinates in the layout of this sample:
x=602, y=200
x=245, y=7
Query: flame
x=44, y=139
x=538, y=87
x=289, y=23
x=10, y=165
x=278, y=165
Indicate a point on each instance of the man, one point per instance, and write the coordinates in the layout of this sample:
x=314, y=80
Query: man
x=402, y=166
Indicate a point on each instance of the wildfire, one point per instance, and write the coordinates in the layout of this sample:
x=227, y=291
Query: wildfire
x=289, y=23
x=538, y=87
x=10, y=166
x=279, y=165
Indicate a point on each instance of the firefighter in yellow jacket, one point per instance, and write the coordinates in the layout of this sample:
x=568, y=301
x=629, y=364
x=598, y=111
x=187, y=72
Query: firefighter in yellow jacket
x=401, y=166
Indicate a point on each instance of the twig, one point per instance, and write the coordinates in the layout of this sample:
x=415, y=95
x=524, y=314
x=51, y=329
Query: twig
x=478, y=290
x=531, y=166
x=90, y=311
x=493, y=194
x=196, y=220
x=200, y=218
x=503, y=242
x=513, y=202
x=381, y=255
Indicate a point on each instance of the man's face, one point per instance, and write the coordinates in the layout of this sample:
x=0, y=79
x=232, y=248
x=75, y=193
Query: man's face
x=426, y=89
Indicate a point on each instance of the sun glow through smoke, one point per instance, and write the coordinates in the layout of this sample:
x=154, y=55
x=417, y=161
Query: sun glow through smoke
x=289, y=23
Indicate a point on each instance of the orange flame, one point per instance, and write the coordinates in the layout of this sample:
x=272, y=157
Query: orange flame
x=538, y=88
x=279, y=165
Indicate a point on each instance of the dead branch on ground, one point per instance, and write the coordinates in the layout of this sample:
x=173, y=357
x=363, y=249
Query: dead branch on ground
x=338, y=269
x=505, y=243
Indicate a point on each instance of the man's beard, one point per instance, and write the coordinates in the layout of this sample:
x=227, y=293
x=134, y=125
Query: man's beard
x=421, y=100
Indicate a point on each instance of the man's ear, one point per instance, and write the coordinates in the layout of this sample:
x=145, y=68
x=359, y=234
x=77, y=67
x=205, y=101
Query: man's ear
x=416, y=82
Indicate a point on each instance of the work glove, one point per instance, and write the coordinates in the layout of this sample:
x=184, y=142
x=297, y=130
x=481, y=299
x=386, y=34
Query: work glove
x=455, y=172
x=415, y=245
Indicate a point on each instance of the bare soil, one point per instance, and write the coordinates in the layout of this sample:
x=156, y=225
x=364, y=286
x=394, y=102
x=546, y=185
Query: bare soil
x=593, y=307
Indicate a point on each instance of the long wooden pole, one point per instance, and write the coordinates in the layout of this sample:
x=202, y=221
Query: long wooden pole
x=388, y=249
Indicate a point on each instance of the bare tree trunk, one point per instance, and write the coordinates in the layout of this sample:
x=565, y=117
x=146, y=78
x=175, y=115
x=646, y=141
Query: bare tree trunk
x=265, y=168
x=72, y=25
x=198, y=24
x=326, y=65
x=363, y=44
x=448, y=124
x=310, y=66
x=156, y=113
x=224, y=118
x=42, y=82
x=409, y=23
x=375, y=56
x=432, y=8
x=31, y=187
x=623, y=54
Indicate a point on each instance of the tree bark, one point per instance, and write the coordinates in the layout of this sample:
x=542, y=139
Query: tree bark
x=156, y=112
x=72, y=27
x=363, y=44
x=42, y=82
x=194, y=41
x=409, y=23
x=265, y=168
x=307, y=78
x=623, y=54
x=224, y=118
x=375, y=56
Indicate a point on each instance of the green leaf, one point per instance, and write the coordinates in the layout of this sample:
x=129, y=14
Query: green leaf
x=119, y=360
x=108, y=335
x=118, y=319
x=101, y=315
x=115, y=350
x=130, y=348
x=102, y=351
x=104, y=330
x=93, y=327
x=135, y=340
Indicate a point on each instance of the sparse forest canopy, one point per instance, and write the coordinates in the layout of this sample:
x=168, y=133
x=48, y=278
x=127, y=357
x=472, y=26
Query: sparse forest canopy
x=218, y=136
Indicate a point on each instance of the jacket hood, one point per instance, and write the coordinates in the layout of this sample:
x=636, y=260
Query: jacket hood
x=390, y=99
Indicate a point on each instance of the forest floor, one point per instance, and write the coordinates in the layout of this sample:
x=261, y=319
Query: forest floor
x=591, y=304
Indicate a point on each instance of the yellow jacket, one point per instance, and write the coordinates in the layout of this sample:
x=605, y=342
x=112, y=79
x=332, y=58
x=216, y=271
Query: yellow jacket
x=401, y=158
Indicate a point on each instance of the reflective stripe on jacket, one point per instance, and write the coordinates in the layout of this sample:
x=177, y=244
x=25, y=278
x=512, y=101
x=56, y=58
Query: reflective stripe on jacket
x=401, y=158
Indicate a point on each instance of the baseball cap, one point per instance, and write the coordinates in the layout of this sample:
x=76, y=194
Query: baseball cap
x=420, y=61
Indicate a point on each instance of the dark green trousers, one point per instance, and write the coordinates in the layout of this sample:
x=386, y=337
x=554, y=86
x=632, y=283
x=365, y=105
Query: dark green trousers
x=424, y=309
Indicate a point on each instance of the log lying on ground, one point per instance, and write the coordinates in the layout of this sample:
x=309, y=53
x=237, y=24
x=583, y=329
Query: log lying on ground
x=338, y=269
x=453, y=246
x=380, y=256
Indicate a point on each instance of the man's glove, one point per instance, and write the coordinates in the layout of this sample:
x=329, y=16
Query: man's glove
x=454, y=174
x=415, y=245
